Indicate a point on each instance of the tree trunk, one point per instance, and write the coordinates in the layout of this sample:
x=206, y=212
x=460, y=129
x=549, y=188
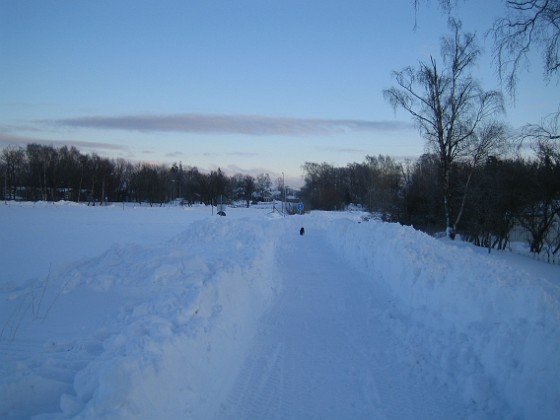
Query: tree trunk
x=464, y=200
x=447, y=206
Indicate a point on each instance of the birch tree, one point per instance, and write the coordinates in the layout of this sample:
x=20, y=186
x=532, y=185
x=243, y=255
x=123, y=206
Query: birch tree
x=525, y=26
x=449, y=107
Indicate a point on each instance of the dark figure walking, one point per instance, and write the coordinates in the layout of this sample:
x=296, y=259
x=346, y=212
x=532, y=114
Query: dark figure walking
x=302, y=231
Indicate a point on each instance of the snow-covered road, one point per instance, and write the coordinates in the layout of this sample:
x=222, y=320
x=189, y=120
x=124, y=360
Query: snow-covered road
x=323, y=350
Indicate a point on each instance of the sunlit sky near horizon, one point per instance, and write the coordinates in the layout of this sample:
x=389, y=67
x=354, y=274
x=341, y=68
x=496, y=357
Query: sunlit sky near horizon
x=249, y=86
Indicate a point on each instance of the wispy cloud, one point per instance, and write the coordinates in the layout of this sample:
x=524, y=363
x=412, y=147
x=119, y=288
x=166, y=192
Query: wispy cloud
x=345, y=150
x=174, y=155
x=257, y=125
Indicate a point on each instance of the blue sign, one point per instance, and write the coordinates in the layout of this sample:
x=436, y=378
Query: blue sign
x=300, y=206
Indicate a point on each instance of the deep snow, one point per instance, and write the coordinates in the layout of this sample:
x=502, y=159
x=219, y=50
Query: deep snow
x=139, y=312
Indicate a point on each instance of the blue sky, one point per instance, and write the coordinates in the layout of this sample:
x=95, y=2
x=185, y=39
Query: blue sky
x=250, y=86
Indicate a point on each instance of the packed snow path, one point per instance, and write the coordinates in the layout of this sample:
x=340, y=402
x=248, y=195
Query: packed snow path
x=323, y=351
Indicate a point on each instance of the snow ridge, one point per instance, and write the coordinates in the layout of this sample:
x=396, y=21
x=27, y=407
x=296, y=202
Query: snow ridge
x=171, y=332
x=470, y=323
x=162, y=308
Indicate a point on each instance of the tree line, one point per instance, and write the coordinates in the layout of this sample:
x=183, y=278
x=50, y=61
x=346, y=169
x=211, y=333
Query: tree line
x=503, y=194
x=495, y=196
x=41, y=172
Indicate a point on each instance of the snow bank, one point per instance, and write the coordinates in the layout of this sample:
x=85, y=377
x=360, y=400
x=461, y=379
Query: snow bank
x=170, y=326
x=491, y=331
x=175, y=346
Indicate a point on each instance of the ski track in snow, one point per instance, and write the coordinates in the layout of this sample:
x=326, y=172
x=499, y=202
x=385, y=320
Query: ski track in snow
x=311, y=360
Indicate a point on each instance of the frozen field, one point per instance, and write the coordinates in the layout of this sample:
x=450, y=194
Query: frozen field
x=139, y=312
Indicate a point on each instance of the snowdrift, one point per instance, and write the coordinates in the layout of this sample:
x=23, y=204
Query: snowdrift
x=123, y=334
x=489, y=330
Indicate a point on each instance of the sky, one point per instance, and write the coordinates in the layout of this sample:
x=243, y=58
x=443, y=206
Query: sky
x=248, y=86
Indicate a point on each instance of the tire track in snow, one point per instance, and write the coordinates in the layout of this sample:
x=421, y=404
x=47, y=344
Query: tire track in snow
x=323, y=351
x=303, y=364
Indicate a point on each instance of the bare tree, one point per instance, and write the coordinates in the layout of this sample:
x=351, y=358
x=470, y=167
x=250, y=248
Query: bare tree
x=487, y=139
x=528, y=24
x=548, y=129
x=448, y=105
x=248, y=188
x=263, y=185
x=14, y=164
x=525, y=26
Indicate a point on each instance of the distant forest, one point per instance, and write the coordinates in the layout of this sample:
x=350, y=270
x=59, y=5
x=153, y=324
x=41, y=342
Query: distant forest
x=39, y=172
x=491, y=198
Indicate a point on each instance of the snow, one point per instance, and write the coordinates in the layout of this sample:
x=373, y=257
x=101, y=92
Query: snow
x=170, y=312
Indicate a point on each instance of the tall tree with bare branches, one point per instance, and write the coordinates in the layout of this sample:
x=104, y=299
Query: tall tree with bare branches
x=526, y=25
x=448, y=105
